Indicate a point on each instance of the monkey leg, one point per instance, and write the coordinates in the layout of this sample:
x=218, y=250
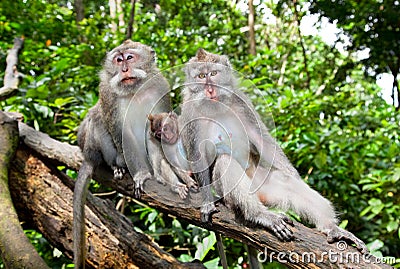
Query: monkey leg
x=233, y=183
x=288, y=192
x=170, y=177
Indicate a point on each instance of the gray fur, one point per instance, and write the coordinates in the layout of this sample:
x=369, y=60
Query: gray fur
x=211, y=92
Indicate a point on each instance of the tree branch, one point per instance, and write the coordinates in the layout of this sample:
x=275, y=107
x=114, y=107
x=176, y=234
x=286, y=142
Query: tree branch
x=15, y=248
x=308, y=243
x=11, y=76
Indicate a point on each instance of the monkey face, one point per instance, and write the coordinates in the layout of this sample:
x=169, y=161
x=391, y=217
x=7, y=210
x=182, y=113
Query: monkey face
x=210, y=77
x=164, y=126
x=128, y=65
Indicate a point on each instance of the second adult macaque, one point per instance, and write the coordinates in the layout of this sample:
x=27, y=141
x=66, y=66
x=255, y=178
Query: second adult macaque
x=217, y=114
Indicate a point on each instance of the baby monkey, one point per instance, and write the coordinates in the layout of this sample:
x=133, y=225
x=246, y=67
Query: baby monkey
x=164, y=128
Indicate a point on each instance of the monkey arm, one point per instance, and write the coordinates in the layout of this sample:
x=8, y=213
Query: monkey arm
x=136, y=159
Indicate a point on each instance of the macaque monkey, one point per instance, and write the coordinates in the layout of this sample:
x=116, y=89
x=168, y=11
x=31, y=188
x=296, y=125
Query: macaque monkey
x=131, y=88
x=114, y=131
x=97, y=147
x=217, y=114
x=164, y=128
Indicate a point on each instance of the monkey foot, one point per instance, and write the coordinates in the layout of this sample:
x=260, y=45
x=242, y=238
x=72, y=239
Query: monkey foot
x=182, y=190
x=336, y=234
x=139, y=179
x=118, y=172
x=206, y=212
x=278, y=224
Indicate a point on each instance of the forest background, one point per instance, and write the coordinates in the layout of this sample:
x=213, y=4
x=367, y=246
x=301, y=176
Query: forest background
x=337, y=126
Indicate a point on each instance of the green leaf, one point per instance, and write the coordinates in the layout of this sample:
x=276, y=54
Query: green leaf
x=205, y=246
x=392, y=226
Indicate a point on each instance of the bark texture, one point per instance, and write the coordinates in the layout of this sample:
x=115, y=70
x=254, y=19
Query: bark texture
x=111, y=236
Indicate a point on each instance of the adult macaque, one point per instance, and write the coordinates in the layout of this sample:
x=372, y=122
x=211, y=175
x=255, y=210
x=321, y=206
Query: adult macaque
x=131, y=88
x=97, y=147
x=215, y=110
x=164, y=128
x=114, y=131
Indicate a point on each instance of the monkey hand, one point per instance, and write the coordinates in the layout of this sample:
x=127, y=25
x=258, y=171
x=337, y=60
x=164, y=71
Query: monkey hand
x=182, y=190
x=206, y=211
x=191, y=184
x=336, y=234
x=139, y=179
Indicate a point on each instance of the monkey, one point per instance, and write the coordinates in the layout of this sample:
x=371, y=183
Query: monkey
x=131, y=87
x=164, y=128
x=214, y=106
x=114, y=131
x=97, y=147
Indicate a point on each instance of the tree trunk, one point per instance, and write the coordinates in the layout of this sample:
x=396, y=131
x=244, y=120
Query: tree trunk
x=43, y=197
x=35, y=179
x=252, y=37
x=303, y=49
x=116, y=10
x=15, y=248
x=129, y=31
x=80, y=10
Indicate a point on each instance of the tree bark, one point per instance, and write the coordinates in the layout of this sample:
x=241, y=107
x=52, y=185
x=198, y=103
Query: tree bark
x=303, y=49
x=15, y=248
x=43, y=197
x=111, y=235
x=131, y=21
x=80, y=10
x=252, y=37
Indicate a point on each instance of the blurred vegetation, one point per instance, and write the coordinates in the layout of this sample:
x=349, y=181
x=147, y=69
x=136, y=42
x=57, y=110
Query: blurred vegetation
x=328, y=111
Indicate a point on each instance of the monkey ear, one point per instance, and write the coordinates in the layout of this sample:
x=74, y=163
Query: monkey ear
x=225, y=61
x=153, y=55
x=150, y=117
x=201, y=54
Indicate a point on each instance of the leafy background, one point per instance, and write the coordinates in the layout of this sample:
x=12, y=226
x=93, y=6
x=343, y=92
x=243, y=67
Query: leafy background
x=328, y=111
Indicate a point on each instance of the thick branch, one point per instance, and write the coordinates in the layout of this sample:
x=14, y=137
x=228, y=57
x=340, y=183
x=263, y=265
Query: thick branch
x=16, y=250
x=45, y=201
x=11, y=76
x=308, y=242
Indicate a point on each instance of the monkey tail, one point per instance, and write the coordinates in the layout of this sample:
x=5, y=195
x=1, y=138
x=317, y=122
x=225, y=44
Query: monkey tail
x=80, y=194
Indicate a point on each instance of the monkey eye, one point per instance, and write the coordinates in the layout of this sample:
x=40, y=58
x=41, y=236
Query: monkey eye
x=202, y=75
x=213, y=73
x=129, y=57
x=119, y=59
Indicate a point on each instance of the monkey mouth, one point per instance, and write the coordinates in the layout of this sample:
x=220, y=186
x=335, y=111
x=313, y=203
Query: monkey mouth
x=129, y=80
x=158, y=134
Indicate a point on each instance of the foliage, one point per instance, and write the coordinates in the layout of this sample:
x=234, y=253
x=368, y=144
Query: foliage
x=329, y=118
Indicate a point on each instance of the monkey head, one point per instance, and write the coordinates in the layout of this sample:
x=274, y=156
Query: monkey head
x=164, y=126
x=210, y=77
x=127, y=65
